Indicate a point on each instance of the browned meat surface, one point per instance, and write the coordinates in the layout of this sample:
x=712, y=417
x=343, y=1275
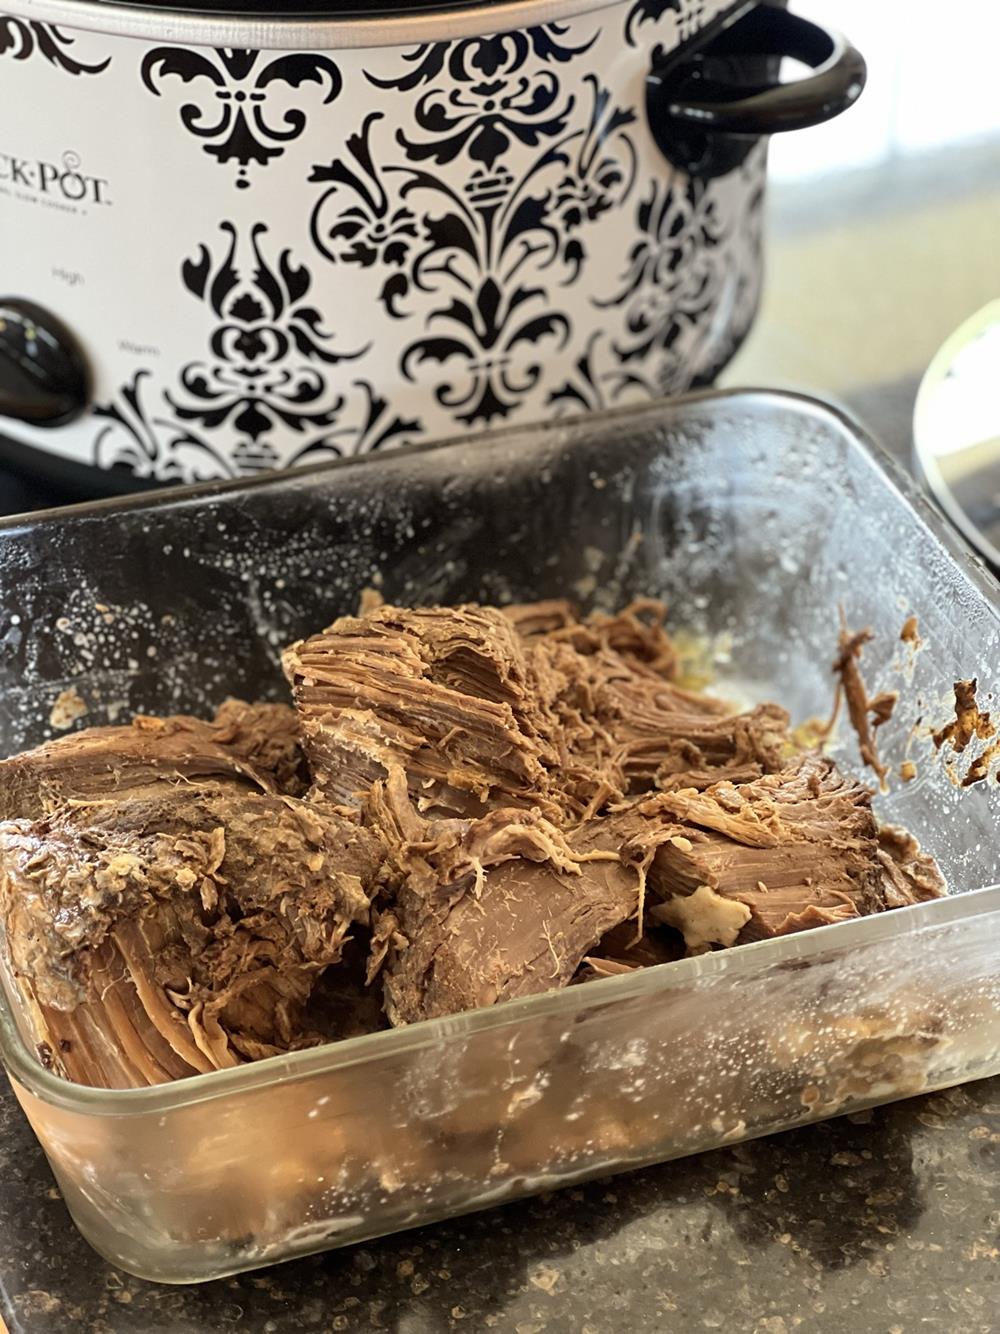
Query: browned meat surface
x=610, y=683
x=540, y=618
x=482, y=709
x=493, y=908
x=465, y=806
x=970, y=720
x=189, y=920
x=909, y=875
x=790, y=850
x=621, y=951
x=252, y=744
x=866, y=712
x=267, y=735
x=443, y=692
x=509, y=904
x=970, y=724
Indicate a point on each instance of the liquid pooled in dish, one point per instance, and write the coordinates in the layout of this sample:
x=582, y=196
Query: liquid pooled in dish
x=466, y=805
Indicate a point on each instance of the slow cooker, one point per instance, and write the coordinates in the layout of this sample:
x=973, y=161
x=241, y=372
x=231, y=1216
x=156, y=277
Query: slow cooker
x=234, y=240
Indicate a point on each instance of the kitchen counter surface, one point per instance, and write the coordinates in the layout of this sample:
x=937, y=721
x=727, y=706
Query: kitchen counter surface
x=884, y=1223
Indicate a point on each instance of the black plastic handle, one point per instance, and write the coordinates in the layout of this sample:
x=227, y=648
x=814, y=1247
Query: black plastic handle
x=709, y=104
x=44, y=376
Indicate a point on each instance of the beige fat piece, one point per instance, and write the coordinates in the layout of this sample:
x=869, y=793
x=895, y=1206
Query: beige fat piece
x=703, y=918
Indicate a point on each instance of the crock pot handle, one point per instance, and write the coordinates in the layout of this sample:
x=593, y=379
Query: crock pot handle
x=708, y=104
x=44, y=377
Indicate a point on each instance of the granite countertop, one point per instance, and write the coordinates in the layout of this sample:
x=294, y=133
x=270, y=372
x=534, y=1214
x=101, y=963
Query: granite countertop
x=883, y=1223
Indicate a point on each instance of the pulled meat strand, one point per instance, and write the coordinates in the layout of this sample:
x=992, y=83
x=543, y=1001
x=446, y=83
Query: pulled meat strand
x=466, y=805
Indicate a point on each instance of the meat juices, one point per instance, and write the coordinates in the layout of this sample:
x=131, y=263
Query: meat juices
x=488, y=803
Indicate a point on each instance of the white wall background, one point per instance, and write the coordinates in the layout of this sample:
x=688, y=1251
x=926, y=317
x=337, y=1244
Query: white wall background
x=934, y=80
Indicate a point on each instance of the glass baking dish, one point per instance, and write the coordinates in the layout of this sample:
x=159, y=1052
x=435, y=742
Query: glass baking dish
x=754, y=514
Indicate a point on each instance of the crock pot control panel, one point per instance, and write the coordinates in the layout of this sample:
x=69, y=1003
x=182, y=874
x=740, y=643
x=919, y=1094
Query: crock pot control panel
x=44, y=378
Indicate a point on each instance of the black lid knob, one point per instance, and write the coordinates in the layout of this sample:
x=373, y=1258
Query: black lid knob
x=44, y=377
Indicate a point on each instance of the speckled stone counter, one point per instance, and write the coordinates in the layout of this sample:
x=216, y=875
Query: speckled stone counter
x=887, y=1223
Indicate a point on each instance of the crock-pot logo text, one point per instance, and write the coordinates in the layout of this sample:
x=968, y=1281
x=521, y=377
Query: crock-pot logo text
x=63, y=183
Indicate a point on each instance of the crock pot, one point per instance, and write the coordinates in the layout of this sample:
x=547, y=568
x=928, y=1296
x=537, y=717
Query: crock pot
x=232, y=240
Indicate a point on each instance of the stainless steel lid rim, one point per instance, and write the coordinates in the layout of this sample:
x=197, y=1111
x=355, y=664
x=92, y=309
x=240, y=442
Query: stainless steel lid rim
x=350, y=30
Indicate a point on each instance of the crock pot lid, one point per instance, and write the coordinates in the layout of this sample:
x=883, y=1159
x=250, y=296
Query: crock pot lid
x=269, y=11
x=312, y=25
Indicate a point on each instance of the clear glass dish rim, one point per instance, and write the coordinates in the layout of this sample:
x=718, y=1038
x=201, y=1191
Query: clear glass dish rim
x=965, y=905
x=968, y=905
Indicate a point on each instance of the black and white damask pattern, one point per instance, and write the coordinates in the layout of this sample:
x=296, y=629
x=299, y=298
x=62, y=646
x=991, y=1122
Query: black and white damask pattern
x=264, y=380
x=689, y=16
x=671, y=275
x=486, y=93
x=268, y=348
x=239, y=100
x=477, y=258
x=23, y=38
x=133, y=438
x=491, y=236
x=680, y=271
